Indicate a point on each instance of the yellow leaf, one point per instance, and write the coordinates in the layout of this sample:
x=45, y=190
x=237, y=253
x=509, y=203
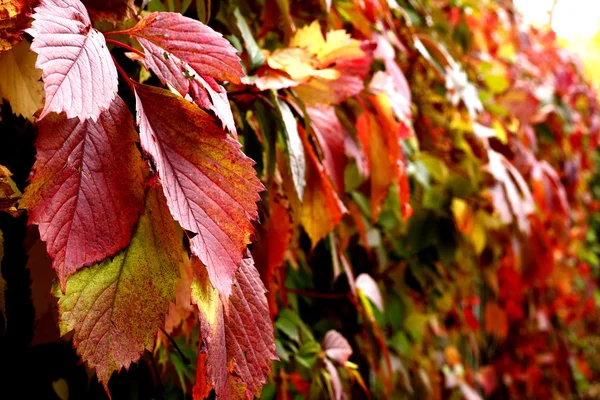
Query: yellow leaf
x=20, y=81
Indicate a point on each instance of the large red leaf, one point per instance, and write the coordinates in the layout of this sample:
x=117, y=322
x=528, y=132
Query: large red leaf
x=210, y=185
x=87, y=190
x=238, y=348
x=115, y=308
x=78, y=72
x=190, y=56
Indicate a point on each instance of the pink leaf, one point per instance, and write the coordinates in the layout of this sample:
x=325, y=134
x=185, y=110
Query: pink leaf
x=330, y=133
x=210, y=185
x=337, y=347
x=190, y=56
x=78, y=72
x=87, y=190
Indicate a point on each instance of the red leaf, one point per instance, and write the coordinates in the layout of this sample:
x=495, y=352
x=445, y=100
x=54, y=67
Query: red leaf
x=87, y=190
x=115, y=308
x=322, y=209
x=330, y=134
x=210, y=185
x=190, y=56
x=270, y=248
x=78, y=72
x=239, y=349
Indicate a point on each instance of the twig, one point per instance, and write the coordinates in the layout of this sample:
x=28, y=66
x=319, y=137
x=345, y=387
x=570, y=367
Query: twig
x=317, y=295
x=183, y=357
x=125, y=46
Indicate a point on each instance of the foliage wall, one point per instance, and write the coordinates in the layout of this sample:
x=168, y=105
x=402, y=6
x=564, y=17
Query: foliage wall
x=419, y=220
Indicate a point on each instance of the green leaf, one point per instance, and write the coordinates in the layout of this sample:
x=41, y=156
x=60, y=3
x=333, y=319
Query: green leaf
x=116, y=307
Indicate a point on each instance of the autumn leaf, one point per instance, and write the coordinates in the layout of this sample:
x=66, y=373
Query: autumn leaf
x=330, y=134
x=190, y=56
x=379, y=135
x=9, y=193
x=87, y=189
x=239, y=347
x=81, y=82
x=20, y=81
x=14, y=17
x=392, y=81
x=116, y=307
x=271, y=246
x=210, y=185
x=322, y=210
x=322, y=69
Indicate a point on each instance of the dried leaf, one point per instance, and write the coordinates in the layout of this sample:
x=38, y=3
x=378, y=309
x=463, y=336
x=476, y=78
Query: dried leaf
x=20, y=81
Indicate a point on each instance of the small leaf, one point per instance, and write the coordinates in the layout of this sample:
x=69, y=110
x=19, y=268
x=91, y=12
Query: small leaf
x=9, y=193
x=20, y=80
x=81, y=81
x=116, y=307
x=210, y=185
x=87, y=189
x=337, y=347
x=369, y=288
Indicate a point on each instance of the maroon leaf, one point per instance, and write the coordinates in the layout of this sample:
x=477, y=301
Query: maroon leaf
x=210, y=185
x=190, y=56
x=78, y=72
x=87, y=190
x=239, y=349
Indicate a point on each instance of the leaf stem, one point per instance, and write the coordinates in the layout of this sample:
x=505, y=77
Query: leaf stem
x=123, y=74
x=183, y=357
x=317, y=295
x=125, y=46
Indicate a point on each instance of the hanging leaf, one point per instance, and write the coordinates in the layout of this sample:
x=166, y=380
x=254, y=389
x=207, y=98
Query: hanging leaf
x=87, y=189
x=322, y=209
x=116, y=307
x=81, y=82
x=210, y=185
x=294, y=151
x=329, y=131
x=239, y=347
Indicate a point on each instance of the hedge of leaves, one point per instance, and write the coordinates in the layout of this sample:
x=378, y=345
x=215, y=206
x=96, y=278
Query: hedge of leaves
x=428, y=228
